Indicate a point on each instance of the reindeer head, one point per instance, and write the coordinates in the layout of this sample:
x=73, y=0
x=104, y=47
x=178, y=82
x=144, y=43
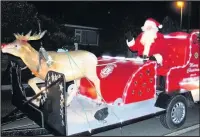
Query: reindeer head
x=20, y=45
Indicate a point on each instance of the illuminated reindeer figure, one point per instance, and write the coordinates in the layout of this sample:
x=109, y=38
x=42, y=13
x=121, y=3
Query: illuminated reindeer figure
x=83, y=65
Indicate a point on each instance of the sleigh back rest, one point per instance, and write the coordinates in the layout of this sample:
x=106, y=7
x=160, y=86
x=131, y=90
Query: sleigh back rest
x=178, y=49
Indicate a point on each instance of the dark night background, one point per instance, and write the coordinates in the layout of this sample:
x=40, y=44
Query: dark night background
x=97, y=13
x=114, y=18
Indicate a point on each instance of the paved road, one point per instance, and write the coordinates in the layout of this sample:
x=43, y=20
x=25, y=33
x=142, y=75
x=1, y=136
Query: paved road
x=150, y=127
x=153, y=127
x=192, y=133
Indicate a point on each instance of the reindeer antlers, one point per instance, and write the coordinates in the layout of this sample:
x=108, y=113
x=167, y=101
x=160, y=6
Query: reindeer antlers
x=37, y=36
x=29, y=37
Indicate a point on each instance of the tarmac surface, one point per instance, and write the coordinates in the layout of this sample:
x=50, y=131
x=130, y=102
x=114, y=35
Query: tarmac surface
x=153, y=127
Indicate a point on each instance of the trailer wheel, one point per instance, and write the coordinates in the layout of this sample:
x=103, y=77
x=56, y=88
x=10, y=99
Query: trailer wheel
x=176, y=113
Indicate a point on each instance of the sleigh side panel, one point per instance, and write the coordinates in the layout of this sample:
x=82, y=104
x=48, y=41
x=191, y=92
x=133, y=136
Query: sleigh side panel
x=180, y=76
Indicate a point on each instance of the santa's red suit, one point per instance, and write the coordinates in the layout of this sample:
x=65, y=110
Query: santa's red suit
x=150, y=42
x=154, y=48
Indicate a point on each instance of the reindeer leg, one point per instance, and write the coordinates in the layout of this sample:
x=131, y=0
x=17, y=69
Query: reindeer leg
x=96, y=82
x=73, y=92
x=91, y=74
x=77, y=84
x=32, y=83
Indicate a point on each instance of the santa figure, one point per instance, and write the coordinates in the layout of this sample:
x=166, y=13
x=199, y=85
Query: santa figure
x=149, y=43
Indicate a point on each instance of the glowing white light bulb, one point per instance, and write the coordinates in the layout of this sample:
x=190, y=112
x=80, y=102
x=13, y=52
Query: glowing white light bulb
x=121, y=121
x=90, y=130
x=125, y=94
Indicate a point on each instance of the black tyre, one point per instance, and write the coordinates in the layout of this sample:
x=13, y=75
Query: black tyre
x=176, y=112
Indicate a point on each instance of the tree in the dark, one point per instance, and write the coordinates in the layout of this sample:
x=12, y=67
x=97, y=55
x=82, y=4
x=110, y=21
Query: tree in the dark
x=169, y=25
x=21, y=17
x=56, y=36
x=117, y=44
x=17, y=17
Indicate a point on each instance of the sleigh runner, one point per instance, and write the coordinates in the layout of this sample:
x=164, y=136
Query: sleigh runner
x=131, y=89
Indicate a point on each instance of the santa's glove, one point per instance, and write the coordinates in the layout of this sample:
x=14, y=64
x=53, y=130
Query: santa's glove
x=143, y=56
x=152, y=58
x=128, y=36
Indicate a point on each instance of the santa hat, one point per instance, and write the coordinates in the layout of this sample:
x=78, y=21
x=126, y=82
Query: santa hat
x=153, y=23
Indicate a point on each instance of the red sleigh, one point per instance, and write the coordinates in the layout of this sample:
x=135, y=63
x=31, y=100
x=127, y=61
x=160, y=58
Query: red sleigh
x=131, y=81
x=131, y=89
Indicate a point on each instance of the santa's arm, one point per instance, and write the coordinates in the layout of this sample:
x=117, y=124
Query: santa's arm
x=158, y=57
x=130, y=41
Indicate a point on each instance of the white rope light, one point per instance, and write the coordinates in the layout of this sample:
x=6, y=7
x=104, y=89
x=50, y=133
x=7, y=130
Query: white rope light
x=183, y=66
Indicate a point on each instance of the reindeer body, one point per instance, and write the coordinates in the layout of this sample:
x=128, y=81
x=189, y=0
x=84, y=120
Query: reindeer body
x=73, y=64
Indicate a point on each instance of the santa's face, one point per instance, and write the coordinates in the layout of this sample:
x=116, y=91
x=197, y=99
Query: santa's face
x=149, y=35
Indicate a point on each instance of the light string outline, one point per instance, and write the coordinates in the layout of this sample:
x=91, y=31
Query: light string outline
x=183, y=66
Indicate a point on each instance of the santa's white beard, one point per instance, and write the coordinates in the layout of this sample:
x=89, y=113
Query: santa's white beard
x=147, y=39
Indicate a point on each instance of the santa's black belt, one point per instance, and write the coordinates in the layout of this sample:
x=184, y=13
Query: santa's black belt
x=145, y=57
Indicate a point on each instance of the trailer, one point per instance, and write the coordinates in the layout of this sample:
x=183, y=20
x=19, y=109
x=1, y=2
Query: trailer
x=133, y=89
